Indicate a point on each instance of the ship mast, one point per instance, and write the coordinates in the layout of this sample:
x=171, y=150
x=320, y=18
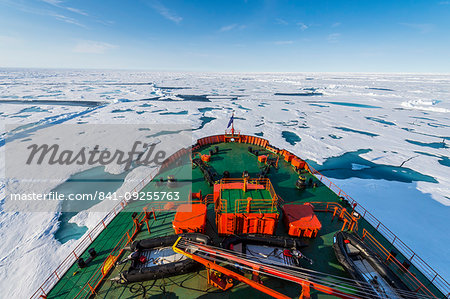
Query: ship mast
x=232, y=124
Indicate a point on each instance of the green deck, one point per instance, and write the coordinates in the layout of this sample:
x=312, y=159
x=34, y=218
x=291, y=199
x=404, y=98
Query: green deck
x=233, y=158
x=231, y=195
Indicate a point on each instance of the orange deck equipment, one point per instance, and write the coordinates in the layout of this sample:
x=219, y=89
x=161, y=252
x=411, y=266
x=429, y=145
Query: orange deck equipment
x=300, y=220
x=288, y=157
x=206, y=158
x=190, y=218
x=245, y=206
x=298, y=163
x=262, y=158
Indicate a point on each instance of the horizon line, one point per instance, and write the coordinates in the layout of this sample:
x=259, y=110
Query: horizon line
x=223, y=72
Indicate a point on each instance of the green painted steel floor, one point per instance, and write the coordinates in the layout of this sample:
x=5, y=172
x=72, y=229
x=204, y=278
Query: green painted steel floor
x=231, y=195
x=75, y=278
x=233, y=158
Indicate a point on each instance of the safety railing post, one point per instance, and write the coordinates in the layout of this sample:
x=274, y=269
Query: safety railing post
x=91, y=288
x=434, y=277
x=343, y=226
x=334, y=213
x=45, y=294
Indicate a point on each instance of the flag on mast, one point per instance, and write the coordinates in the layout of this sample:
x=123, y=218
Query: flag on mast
x=231, y=120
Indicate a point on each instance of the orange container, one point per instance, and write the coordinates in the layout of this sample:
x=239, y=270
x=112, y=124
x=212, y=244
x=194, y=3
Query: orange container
x=252, y=223
x=206, y=158
x=190, y=218
x=288, y=157
x=297, y=162
x=300, y=220
x=262, y=158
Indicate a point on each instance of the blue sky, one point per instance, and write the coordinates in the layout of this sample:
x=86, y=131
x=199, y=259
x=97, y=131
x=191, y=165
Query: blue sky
x=255, y=36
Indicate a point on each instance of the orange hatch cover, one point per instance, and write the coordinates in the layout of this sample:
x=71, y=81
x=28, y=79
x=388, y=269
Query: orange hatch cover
x=190, y=218
x=262, y=158
x=300, y=220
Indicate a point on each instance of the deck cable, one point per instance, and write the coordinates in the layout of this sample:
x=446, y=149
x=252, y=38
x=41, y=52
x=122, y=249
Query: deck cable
x=295, y=273
x=309, y=270
x=360, y=286
x=333, y=284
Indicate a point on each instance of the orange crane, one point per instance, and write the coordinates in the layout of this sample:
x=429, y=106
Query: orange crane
x=210, y=265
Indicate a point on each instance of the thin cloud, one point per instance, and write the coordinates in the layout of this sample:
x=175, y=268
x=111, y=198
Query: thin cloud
x=284, y=42
x=59, y=4
x=78, y=11
x=281, y=21
x=45, y=12
x=444, y=3
x=67, y=19
x=337, y=24
x=106, y=23
x=334, y=37
x=422, y=28
x=232, y=27
x=53, y=2
x=92, y=47
x=227, y=28
x=165, y=12
x=302, y=26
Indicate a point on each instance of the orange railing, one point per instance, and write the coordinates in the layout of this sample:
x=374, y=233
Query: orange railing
x=96, y=279
x=208, y=199
x=409, y=254
x=263, y=181
x=221, y=205
x=84, y=243
x=352, y=221
x=54, y=277
x=254, y=206
x=411, y=280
